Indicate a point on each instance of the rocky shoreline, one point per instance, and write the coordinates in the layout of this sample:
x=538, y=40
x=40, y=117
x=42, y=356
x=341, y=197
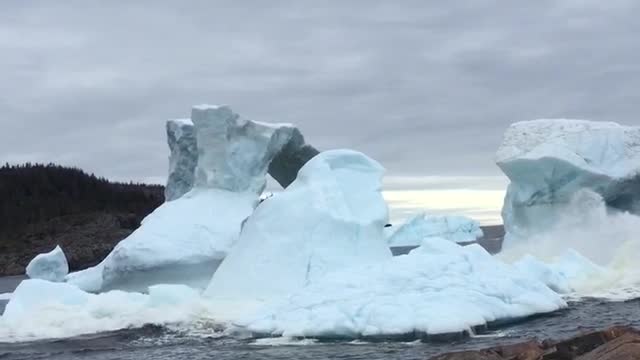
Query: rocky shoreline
x=615, y=343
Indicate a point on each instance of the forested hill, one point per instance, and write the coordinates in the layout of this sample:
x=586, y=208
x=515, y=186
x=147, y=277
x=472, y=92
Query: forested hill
x=45, y=205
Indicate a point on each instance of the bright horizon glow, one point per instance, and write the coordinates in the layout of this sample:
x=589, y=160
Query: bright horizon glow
x=478, y=197
x=481, y=205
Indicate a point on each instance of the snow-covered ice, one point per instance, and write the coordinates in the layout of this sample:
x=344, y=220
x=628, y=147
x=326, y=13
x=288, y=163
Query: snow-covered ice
x=50, y=266
x=440, y=287
x=5, y=296
x=181, y=138
x=332, y=216
x=549, y=160
x=459, y=229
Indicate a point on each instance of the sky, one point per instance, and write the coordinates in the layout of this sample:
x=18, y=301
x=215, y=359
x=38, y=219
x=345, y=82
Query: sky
x=425, y=87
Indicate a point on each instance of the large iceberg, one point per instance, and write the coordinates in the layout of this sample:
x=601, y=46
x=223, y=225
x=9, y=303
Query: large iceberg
x=50, y=266
x=181, y=137
x=548, y=161
x=459, y=229
x=184, y=240
x=331, y=217
x=439, y=288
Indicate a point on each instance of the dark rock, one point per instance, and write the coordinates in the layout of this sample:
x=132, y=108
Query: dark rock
x=86, y=239
x=617, y=343
x=625, y=347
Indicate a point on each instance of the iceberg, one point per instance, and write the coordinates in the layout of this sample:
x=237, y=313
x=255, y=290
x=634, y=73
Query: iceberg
x=438, y=288
x=181, y=138
x=50, y=266
x=548, y=161
x=459, y=229
x=184, y=240
x=331, y=217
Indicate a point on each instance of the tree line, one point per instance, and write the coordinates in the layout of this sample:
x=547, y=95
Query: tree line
x=32, y=193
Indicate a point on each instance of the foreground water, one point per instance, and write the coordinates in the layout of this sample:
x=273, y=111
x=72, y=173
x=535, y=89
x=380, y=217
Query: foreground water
x=154, y=342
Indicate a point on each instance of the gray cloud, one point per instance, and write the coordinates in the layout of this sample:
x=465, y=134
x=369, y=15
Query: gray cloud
x=425, y=87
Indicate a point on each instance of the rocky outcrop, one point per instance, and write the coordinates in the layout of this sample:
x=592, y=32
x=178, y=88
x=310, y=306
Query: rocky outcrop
x=617, y=343
x=549, y=161
x=86, y=238
x=181, y=138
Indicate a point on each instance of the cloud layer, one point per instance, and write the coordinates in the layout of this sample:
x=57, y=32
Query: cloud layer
x=425, y=87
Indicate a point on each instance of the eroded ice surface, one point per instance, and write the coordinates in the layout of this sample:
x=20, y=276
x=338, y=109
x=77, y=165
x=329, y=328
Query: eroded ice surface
x=548, y=161
x=181, y=138
x=234, y=153
x=440, y=287
x=331, y=217
x=50, y=266
x=459, y=229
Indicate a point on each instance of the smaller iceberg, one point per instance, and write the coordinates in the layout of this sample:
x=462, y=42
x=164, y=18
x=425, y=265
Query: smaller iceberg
x=458, y=229
x=51, y=266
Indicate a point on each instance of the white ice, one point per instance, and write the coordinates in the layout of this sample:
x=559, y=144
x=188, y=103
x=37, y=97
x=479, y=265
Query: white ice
x=50, y=266
x=589, y=252
x=440, y=287
x=332, y=216
x=459, y=229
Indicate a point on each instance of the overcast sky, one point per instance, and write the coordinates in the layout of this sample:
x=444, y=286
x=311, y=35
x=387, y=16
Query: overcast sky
x=425, y=87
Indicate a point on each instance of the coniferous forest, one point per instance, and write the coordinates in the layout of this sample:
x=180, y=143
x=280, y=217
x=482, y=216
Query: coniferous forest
x=45, y=205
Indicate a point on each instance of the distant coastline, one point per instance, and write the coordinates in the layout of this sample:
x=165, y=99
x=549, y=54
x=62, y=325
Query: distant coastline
x=47, y=205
